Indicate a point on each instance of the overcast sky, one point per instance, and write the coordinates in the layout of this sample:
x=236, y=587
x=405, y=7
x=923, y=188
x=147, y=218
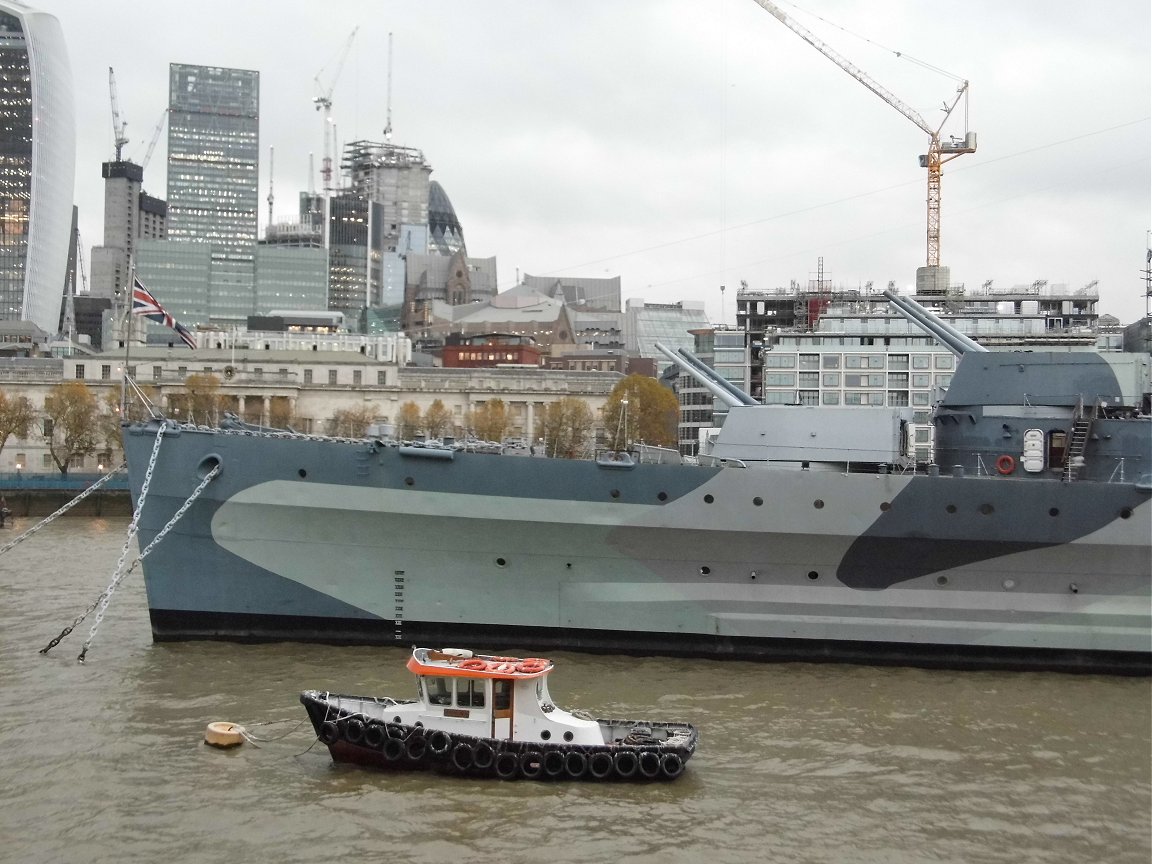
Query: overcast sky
x=685, y=144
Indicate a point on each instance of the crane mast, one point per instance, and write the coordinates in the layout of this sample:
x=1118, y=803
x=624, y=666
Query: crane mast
x=323, y=102
x=938, y=152
x=118, y=125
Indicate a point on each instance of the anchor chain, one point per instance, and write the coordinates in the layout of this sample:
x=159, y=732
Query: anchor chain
x=106, y=597
x=127, y=540
x=49, y=519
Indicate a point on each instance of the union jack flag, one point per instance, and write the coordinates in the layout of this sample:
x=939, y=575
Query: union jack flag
x=143, y=303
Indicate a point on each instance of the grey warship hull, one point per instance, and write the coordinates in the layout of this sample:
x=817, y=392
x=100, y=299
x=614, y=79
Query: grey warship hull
x=305, y=538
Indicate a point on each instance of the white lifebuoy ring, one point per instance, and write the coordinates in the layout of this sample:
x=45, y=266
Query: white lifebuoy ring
x=224, y=734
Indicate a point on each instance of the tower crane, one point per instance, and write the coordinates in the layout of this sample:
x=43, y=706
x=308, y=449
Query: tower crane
x=155, y=138
x=118, y=125
x=323, y=102
x=939, y=151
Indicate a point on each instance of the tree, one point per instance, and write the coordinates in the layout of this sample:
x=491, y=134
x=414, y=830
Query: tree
x=352, y=422
x=71, y=430
x=489, y=421
x=409, y=422
x=108, y=420
x=203, y=398
x=437, y=419
x=565, y=426
x=17, y=416
x=640, y=408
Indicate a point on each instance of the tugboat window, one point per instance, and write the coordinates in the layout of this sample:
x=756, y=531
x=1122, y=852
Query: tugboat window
x=470, y=694
x=502, y=694
x=439, y=691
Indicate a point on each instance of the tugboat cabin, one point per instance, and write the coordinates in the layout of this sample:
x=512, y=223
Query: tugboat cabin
x=505, y=698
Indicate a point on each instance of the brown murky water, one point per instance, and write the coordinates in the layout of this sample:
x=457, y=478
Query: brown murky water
x=105, y=762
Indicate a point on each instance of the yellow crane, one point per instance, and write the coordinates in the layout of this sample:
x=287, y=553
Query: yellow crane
x=939, y=151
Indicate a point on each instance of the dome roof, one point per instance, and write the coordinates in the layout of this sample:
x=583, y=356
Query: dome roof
x=445, y=234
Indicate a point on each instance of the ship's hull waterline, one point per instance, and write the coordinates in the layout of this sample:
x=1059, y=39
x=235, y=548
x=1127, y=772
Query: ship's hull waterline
x=313, y=539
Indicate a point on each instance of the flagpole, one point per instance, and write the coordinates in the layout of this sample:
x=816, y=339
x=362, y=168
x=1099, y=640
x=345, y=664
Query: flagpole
x=127, y=338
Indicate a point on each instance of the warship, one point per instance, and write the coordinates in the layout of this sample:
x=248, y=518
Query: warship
x=1013, y=531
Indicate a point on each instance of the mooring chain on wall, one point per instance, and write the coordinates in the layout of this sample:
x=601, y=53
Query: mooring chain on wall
x=47, y=519
x=127, y=541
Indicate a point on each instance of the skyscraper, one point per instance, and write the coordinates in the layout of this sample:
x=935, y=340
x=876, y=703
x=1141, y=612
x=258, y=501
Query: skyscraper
x=213, y=174
x=37, y=165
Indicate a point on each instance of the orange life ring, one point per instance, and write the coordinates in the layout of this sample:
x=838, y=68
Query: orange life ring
x=504, y=659
x=474, y=663
x=504, y=668
x=1005, y=464
x=531, y=665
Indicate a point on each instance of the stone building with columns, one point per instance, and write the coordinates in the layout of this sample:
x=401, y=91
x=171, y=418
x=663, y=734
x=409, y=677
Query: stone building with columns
x=300, y=388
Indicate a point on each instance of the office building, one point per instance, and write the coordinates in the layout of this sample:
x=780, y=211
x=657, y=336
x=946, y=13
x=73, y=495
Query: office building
x=37, y=166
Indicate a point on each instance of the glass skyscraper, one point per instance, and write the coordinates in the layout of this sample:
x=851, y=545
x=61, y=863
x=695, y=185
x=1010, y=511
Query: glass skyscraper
x=37, y=165
x=213, y=175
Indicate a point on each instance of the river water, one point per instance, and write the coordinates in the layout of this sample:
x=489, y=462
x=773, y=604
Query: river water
x=105, y=761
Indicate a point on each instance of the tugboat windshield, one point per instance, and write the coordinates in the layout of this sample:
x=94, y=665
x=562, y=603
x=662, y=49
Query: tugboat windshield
x=439, y=691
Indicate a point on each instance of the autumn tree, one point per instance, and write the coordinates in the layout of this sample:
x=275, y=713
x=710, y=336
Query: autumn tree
x=72, y=430
x=565, y=425
x=352, y=422
x=17, y=416
x=202, y=392
x=437, y=419
x=640, y=408
x=409, y=422
x=489, y=421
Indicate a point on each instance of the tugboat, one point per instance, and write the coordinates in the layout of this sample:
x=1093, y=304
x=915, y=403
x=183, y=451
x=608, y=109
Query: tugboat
x=491, y=716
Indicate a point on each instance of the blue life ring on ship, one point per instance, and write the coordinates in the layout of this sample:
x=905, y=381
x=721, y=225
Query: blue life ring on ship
x=1005, y=464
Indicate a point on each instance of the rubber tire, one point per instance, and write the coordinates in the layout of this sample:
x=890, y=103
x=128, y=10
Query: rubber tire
x=375, y=735
x=553, y=764
x=507, y=765
x=671, y=766
x=440, y=744
x=393, y=750
x=531, y=764
x=483, y=756
x=600, y=765
x=416, y=747
x=462, y=757
x=575, y=764
x=329, y=732
x=625, y=763
x=649, y=764
x=353, y=730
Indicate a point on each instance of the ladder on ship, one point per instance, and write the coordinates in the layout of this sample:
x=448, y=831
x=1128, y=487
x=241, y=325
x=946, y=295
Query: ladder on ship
x=1077, y=440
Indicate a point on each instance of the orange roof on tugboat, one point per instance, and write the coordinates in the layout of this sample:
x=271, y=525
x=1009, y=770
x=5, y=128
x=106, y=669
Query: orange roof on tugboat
x=460, y=662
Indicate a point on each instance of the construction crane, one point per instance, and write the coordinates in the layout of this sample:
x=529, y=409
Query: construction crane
x=118, y=125
x=323, y=102
x=155, y=138
x=939, y=151
x=388, y=113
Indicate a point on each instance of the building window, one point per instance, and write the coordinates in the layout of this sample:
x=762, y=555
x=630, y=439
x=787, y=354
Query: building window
x=21, y=461
x=898, y=379
x=779, y=361
x=307, y=376
x=779, y=379
x=944, y=361
x=46, y=460
x=381, y=378
x=943, y=380
x=79, y=370
x=809, y=397
x=157, y=372
x=830, y=398
x=897, y=398
x=357, y=377
x=182, y=371
x=897, y=361
x=809, y=379
x=809, y=361
x=831, y=379
x=331, y=376
x=921, y=361
x=831, y=361
x=921, y=380
x=920, y=399
x=105, y=372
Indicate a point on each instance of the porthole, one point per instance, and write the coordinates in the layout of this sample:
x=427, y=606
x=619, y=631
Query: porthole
x=545, y=734
x=705, y=570
x=500, y=562
x=813, y=575
x=408, y=481
x=302, y=473
x=987, y=509
x=885, y=506
x=568, y=736
x=941, y=580
x=1126, y=513
x=758, y=501
x=951, y=508
x=615, y=493
x=396, y=719
x=818, y=504
x=708, y=499
x=1054, y=511
x=661, y=496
